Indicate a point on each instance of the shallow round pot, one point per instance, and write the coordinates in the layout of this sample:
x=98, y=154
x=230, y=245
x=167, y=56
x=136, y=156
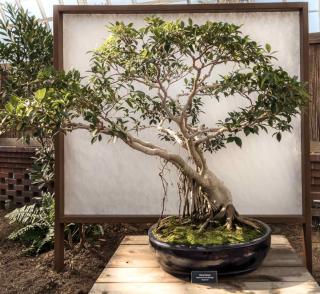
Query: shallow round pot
x=230, y=259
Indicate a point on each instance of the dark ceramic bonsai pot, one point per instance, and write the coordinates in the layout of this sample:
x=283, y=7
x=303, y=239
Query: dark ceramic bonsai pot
x=230, y=259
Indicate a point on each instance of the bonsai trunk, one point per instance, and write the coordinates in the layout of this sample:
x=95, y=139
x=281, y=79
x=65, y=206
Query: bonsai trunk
x=205, y=199
x=209, y=201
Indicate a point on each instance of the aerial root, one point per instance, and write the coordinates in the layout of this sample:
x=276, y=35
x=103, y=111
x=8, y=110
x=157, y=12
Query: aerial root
x=205, y=224
x=212, y=217
x=229, y=215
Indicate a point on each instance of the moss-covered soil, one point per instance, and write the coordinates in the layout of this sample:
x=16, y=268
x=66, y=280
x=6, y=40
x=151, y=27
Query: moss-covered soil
x=176, y=231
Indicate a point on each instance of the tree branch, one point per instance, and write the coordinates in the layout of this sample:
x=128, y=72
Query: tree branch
x=154, y=150
x=222, y=130
x=172, y=134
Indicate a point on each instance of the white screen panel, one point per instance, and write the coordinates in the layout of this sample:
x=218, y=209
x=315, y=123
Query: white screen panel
x=111, y=179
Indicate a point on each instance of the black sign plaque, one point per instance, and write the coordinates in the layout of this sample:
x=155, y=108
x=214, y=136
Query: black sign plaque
x=203, y=277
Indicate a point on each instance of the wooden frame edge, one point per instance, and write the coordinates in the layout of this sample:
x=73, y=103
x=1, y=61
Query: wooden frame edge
x=301, y=7
x=274, y=219
x=172, y=8
x=58, y=152
x=305, y=140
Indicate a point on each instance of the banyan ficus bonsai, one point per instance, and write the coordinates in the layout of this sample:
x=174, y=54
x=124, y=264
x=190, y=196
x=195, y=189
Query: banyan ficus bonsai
x=158, y=79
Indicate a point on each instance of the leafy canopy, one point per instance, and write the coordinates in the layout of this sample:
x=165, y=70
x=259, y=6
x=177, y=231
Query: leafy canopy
x=159, y=77
x=163, y=54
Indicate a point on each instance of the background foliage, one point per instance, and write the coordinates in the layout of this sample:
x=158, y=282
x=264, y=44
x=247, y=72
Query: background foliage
x=26, y=55
x=26, y=48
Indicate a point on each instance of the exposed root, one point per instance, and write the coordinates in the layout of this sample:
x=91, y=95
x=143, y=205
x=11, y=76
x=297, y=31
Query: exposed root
x=247, y=221
x=162, y=222
x=206, y=223
x=233, y=217
x=231, y=214
x=220, y=215
x=187, y=222
x=200, y=206
x=213, y=217
x=230, y=217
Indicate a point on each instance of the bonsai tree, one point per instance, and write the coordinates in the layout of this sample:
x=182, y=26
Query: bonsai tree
x=156, y=79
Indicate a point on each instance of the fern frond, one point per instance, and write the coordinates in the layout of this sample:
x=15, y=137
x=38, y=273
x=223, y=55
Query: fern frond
x=46, y=243
x=36, y=226
x=28, y=233
x=25, y=215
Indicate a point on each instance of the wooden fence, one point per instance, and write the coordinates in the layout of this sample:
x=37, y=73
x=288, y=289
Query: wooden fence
x=314, y=86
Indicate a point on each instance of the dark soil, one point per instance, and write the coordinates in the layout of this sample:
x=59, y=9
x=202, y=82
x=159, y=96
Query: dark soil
x=24, y=274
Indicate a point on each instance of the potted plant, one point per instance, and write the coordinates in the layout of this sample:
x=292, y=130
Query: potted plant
x=157, y=80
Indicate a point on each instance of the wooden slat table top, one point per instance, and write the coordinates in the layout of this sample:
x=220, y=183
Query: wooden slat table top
x=134, y=269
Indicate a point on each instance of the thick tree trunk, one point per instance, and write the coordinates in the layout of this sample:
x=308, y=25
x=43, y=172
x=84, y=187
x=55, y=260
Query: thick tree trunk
x=212, y=203
x=216, y=190
x=206, y=198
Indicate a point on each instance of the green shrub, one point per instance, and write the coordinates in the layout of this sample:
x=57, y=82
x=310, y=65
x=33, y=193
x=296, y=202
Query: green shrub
x=42, y=170
x=35, y=227
x=26, y=45
x=26, y=48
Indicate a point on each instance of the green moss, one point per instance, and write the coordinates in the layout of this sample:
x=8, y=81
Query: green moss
x=176, y=231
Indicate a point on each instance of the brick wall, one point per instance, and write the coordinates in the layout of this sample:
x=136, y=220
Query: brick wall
x=315, y=189
x=315, y=176
x=15, y=185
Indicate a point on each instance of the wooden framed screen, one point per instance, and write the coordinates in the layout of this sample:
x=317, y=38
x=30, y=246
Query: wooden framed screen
x=269, y=180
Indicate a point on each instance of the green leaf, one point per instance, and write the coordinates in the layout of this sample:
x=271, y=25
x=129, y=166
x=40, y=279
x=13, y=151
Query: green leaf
x=9, y=107
x=268, y=48
x=238, y=141
x=247, y=131
x=279, y=136
x=14, y=100
x=129, y=103
x=273, y=107
x=230, y=139
x=40, y=94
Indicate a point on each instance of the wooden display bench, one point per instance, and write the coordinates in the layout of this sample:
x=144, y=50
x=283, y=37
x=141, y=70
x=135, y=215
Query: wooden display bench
x=134, y=269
